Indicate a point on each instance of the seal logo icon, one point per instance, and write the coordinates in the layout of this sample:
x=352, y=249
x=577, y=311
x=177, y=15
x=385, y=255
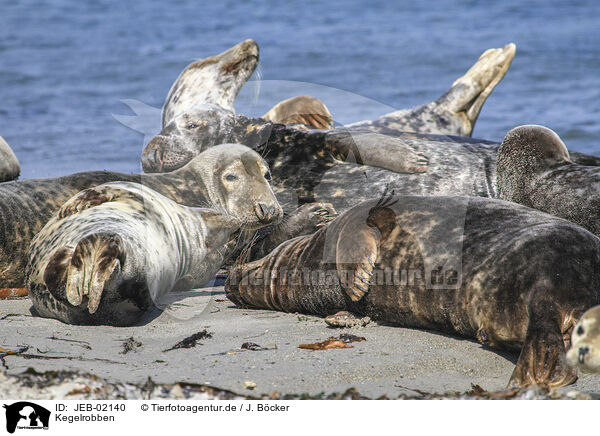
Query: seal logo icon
x=26, y=415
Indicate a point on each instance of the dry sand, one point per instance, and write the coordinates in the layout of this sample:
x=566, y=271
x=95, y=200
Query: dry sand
x=392, y=362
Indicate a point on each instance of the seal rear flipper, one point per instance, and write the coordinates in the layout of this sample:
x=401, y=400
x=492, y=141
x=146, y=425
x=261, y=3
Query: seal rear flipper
x=304, y=111
x=374, y=149
x=85, y=270
x=93, y=197
x=543, y=359
x=470, y=91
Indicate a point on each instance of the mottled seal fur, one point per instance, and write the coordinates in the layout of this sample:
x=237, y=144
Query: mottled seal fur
x=339, y=166
x=9, y=164
x=535, y=169
x=585, y=342
x=27, y=205
x=214, y=80
x=508, y=275
x=202, y=125
x=113, y=251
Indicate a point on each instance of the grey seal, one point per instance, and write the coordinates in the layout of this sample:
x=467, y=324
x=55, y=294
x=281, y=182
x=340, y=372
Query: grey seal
x=27, y=205
x=536, y=169
x=339, y=166
x=113, y=251
x=509, y=276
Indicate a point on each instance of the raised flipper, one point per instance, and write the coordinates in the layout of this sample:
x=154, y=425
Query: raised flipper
x=301, y=111
x=93, y=197
x=543, y=360
x=358, y=247
x=374, y=149
x=85, y=270
x=470, y=91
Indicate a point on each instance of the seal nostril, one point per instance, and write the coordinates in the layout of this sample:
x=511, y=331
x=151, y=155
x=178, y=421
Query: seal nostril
x=262, y=211
x=272, y=210
x=582, y=352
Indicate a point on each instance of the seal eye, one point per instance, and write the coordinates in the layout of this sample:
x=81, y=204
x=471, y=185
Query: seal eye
x=268, y=175
x=192, y=126
x=580, y=330
x=231, y=177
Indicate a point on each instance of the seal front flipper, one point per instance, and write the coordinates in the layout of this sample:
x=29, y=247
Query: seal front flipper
x=93, y=197
x=543, y=359
x=84, y=271
x=374, y=149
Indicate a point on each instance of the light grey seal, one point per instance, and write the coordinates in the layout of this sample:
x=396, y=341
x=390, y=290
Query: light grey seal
x=114, y=250
x=9, y=164
x=585, y=342
x=509, y=276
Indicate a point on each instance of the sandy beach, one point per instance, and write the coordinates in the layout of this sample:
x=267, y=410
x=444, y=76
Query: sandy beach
x=112, y=362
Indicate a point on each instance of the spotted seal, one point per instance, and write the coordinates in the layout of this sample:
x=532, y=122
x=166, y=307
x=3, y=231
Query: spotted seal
x=214, y=80
x=339, y=166
x=535, y=169
x=507, y=275
x=9, y=164
x=585, y=342
x=114, y=250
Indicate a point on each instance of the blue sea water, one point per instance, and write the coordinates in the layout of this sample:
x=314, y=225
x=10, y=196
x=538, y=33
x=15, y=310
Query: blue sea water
x=66, y=65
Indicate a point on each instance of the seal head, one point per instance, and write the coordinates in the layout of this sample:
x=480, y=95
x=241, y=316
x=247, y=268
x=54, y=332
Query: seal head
x=585, y=342
x=9, y=165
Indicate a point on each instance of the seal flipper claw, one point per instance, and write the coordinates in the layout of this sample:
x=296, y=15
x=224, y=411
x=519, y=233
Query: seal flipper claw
x=543, y=359
x=94, y=260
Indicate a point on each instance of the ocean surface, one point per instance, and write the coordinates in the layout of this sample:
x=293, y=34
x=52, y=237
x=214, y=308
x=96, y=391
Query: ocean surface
x=66, y=66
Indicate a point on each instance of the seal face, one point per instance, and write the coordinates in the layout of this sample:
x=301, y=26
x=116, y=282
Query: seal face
x=535, y=169
x=442, y=263
x=115, y=250
x=214, y=80
x=585, y=342
x=9, y=164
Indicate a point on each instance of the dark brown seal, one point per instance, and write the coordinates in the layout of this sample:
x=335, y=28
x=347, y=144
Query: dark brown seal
x=534, y=169
x=510, y=276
